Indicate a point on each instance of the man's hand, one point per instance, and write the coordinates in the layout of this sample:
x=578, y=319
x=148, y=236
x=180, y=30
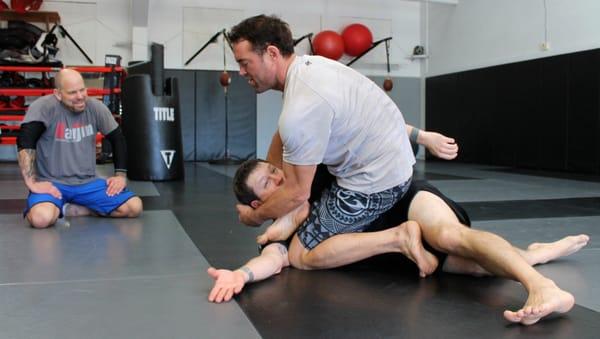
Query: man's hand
x=439, y=145
x=45, y=187
x=115, y=185
x=247, y=215
x=227, y=283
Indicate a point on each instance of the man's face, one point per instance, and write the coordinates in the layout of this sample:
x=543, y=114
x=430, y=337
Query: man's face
x=258, y=69
x=72, y=93
x=265, y=180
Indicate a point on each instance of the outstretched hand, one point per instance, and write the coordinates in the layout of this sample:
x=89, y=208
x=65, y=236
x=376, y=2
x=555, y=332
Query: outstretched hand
x=440, y=145
x=45, y=187
x=227, y=283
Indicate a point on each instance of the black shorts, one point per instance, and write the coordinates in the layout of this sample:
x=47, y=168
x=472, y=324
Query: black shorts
x=399, y=214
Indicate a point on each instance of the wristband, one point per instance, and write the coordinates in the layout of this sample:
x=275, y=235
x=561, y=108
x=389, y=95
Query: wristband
x=414, y=134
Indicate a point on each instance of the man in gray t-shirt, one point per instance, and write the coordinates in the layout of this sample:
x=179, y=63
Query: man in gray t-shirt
x=57, y=147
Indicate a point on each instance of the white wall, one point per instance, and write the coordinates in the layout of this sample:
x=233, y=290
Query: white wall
x=481, y=33
x=183, y=26
x=99, y=27
x=268, y=107
x=194, y=22
x=191, y=23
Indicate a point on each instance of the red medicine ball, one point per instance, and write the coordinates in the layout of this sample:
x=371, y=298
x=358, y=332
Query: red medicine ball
x=328, y=44
x=357, y=39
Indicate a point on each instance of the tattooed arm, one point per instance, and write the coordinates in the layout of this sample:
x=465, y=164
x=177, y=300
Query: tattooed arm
x=29, y=134
x=27, y=164
x=272, y=259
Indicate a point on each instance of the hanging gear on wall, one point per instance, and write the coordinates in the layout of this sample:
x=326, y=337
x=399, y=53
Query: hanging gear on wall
x=24, y=43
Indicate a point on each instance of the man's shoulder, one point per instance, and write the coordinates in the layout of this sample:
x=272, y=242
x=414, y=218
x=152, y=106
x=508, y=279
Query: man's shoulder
x=41, y=107
x=46, y=101
x=96, y=105
x=95, y=102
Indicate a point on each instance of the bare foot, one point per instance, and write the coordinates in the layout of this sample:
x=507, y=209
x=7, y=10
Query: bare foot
x=273, y=233
x=541, y=253
x=74, y=210
x=540, y=303
x=414, y=250
x=285, y=226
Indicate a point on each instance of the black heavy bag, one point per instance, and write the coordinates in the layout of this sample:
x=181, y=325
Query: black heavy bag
x=152, y=127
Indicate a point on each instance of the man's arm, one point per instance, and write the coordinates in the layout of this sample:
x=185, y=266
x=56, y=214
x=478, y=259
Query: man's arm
x=275, y=155
x=294, y=192
x=29, y=134
x=117, y=182
x=438, y=144
x=273, y=258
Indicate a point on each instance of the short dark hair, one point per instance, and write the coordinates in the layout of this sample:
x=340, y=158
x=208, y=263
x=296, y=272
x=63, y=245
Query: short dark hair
x=242, y=191
x=262, y=31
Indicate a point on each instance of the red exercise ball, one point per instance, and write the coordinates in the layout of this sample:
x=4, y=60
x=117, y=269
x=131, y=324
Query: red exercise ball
x=328, y=44
x=357, y=39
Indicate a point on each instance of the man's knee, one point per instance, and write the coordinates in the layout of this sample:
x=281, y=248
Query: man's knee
x=451, y=239
x=302, y=258
x=43, y=215
x=130, y=209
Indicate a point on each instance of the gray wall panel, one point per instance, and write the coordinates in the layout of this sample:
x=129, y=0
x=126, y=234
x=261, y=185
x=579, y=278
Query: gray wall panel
x=210, y=117
x=210, y=125
x=188, y=111
x=242, y=118
x=406, y=93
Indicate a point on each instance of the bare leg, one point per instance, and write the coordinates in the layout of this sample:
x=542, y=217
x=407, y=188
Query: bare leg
x=43, y=215
x=130, y=209
x=441, y=229
x=347, y=248
x=536, y=253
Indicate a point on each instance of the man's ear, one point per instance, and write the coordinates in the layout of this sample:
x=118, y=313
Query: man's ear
x=255, y=204
x=57, y=94
x=273, y=51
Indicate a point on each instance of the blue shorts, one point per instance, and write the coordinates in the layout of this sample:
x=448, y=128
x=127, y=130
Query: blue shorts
x=340, y=210
x=91, y=195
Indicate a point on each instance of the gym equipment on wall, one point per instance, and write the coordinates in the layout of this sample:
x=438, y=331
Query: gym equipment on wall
x=310, y=43
x=387, y=83
x=328, y=44
x=152, y=121
x=63, y=32
x=225, y=80
x=357, y=39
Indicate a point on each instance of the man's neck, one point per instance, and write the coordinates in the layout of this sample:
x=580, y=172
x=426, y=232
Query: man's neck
x=282, y=73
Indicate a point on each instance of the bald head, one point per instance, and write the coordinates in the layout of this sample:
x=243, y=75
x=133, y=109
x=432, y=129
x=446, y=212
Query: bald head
x=66, y=75
x=70, y=89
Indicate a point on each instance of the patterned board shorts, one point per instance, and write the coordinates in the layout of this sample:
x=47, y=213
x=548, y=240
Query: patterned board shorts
x=344, y=211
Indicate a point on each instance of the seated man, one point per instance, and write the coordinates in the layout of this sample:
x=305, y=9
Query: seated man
x=57, y=156
x=261, y=179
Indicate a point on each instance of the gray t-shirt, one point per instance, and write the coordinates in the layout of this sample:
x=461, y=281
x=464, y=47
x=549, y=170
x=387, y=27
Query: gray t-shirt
x=66, y=151
x=334, y=115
